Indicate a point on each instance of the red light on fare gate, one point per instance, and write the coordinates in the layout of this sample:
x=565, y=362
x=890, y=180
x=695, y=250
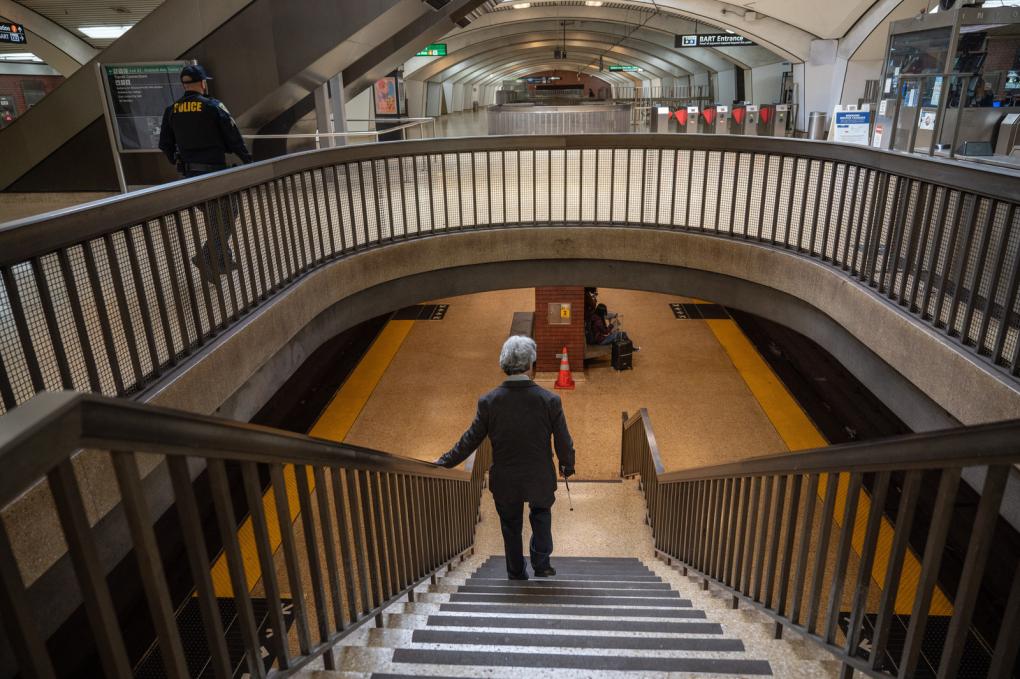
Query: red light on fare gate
x=681, y=116
x=709, y=115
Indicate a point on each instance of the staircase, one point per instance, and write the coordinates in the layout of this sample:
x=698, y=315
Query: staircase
x=596, y=617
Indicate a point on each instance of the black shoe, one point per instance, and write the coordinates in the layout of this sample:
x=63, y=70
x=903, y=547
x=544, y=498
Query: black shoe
x=204, y=269
x=546, y=572
x=523, y=576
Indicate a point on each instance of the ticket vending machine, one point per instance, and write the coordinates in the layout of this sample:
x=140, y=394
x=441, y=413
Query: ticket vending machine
x=709, y=116
x=751, y=120
x=693, y=120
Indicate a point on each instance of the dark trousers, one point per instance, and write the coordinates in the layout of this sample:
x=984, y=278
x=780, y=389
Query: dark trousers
x=511, y=521
x=219, y=216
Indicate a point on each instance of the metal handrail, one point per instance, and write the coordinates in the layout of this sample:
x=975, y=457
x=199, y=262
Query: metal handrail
x=755, y=530
x=107, y=297
x=406, y=124
x=373, y=526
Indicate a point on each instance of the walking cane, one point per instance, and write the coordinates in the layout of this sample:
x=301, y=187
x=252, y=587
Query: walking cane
x=569, y=501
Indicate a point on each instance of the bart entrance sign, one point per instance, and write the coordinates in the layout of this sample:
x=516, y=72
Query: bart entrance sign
x=712, y=40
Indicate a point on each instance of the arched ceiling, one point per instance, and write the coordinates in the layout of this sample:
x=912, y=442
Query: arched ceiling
x=779, y=42
x=632, y=52
x=613, y=33
x=516, y=66
x=765, y=20
x=642, y=33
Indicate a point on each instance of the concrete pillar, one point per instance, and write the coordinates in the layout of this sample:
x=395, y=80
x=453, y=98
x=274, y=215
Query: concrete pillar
x=322, y=115
x=559, y=322
x=337, y=106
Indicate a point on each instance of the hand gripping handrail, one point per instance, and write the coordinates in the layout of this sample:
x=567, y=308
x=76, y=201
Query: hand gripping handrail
x=111, y=297
x=372, y=527
x=755, y=530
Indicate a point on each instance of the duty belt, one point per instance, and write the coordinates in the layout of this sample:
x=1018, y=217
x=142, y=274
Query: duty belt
x=203, y=167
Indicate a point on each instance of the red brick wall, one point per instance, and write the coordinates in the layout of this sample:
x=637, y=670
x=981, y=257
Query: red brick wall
x=11, y=85
x=1002, y=54
x=570, y=78
x=552, y=338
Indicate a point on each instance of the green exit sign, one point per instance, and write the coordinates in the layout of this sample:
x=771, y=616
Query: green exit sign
x=621, y=67
x=434, y=50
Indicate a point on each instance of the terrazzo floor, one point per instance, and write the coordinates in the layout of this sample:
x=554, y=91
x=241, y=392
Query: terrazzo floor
x=700, y=407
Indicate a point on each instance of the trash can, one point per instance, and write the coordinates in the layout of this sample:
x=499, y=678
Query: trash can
x=817, y=128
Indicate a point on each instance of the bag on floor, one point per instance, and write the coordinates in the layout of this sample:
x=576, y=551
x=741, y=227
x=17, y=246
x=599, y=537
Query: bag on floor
x=623, y=353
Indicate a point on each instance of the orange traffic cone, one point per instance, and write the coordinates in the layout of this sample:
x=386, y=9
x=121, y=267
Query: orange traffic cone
x=564, y=381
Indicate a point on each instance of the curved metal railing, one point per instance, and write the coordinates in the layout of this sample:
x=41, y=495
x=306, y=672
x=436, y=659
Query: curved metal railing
x=821, y=541
x=372, y=527
x=107, y=298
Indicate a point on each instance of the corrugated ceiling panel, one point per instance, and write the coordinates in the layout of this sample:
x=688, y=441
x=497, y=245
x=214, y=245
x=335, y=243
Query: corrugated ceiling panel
x=73, y=14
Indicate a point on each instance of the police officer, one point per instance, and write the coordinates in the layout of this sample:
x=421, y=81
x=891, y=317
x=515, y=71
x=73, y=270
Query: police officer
x=197, y=133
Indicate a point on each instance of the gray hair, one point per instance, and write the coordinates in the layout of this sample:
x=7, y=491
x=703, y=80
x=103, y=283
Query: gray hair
x=518, y=354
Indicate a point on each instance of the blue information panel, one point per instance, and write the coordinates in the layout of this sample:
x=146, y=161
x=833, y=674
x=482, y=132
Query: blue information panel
x=12, y=33
x=852, y=127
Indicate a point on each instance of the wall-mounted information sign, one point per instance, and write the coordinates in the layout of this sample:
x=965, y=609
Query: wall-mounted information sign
x=137, y=95
x=12, y=33
x=621, y=67
x=852, y=127
x=712, y=40
x=433, y=50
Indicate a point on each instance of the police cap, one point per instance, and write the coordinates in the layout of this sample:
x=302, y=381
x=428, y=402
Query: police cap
x=193, y=74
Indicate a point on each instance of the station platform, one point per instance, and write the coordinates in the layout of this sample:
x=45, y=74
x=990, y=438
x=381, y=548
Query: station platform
x=711, y=397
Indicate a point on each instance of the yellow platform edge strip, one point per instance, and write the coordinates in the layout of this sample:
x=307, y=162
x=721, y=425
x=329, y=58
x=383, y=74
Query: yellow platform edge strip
x=333, y=424
x=798, y=432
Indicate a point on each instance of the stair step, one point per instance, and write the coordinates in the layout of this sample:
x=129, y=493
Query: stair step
x=561, y=567
x=587, y=662
x=563, y=574
x=556, y=582
x=525, y=588
x=712, y=644
x=610, y=625
x=569, y=599
x=582, y=559
x=593, y=611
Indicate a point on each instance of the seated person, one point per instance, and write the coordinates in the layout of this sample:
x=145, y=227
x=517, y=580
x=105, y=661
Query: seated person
x=591, y=301
x=604, y=330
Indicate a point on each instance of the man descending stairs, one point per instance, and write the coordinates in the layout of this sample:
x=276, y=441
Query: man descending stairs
x=596, y=617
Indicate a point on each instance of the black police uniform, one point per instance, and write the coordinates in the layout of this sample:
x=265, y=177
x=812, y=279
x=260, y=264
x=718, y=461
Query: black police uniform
x=196, y=134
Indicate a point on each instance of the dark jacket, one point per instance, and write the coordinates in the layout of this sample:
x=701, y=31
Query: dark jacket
x=199, y=129
x=598, y=330
x=519, y=417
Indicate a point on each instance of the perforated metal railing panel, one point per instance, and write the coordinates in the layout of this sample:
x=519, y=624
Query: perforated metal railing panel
x=113, y=312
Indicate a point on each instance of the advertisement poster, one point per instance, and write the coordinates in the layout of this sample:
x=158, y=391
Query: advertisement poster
x=926, y=121
x=852, y=127
x=386, y=96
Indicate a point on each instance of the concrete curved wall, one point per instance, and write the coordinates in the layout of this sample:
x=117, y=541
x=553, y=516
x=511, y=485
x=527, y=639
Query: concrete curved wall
x=919, y=374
